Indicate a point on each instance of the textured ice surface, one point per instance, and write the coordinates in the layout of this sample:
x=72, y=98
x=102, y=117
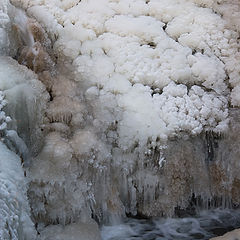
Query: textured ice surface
x=3, y=118
x=158, y=67
x=22, y=92
x=12, y=21
x=14, y=209
x=26, y=97
x=23, y=98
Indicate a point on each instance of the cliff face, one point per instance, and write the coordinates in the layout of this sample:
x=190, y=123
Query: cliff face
x=136, y=119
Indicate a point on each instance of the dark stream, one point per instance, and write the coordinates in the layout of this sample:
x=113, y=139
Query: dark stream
x=205, y=225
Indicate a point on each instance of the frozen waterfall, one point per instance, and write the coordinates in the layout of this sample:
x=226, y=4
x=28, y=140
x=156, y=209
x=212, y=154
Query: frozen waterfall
x=116, y=108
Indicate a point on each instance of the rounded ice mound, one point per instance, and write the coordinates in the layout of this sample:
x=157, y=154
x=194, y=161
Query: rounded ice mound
x=157, y=68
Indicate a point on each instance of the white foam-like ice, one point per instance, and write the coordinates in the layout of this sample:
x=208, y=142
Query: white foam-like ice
x=132, y=51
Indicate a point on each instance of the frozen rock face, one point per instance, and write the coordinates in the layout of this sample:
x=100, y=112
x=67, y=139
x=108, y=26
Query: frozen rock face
x=139, y=111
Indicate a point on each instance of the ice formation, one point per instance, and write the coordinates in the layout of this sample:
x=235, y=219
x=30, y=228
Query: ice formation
x=148, y=71
x=147, y=58
x=140, y=95
x=3, y=118
x=24, y=98
x=14, y=209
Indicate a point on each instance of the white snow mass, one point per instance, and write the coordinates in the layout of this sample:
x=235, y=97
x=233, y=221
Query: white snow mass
x=156, y=67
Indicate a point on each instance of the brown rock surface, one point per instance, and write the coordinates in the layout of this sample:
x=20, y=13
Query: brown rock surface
x=233, y=235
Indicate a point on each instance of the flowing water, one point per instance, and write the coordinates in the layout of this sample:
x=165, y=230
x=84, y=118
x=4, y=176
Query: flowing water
x=205, y=225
